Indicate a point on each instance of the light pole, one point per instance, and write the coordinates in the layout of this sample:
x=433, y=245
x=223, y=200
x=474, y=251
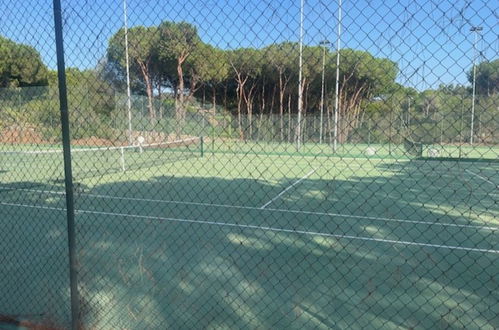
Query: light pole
x=408, y=111
x=476, y=30
x=323, y=43
x=300, y=69
x=128, y=92
x=337, y=100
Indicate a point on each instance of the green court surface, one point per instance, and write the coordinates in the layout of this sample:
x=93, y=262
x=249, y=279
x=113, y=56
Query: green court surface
x=250, y=240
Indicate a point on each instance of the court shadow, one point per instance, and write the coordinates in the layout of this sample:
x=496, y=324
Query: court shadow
x=34, y=278
x=204, y=252
x=330, y=253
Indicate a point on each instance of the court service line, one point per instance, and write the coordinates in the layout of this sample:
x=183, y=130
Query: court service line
x=329, y=214
x=241, y=207
x=265, y=228
x=291, y=186
x=483, y=178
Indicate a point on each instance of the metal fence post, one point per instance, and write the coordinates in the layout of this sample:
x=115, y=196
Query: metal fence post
x=67, y=164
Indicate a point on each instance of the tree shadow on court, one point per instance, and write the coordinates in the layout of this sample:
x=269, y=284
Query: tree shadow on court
x=34, y=271
x=194, y=264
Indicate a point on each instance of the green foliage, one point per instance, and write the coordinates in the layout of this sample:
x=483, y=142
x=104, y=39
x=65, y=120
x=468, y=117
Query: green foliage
x=280, y=60
x=364, y=73
x=209, y=64
x=20, y=65
x=254, y=81
x=142, y=51
x=487, y=77
x=141, y=42
x=283, y=56
x=164, y=57
x=90, y=99
x=246, y=61
x=176, y=40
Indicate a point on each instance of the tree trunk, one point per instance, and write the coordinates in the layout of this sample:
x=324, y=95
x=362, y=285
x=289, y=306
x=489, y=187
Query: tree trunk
x=305, y=98
x=350, y=110
x=180, y=105
x=263, y=98
x=160, y=96
x=329, y=126
x=204, y=97
x=271, y=110
x=249, y=99
x=239, y=106
x=271, y=113
x=214, y=98
x=240, y=98
x=150, y=107
x=262, y=110
x=260, y=123
x=195, y=85
x=144, y=68
x=225, y=96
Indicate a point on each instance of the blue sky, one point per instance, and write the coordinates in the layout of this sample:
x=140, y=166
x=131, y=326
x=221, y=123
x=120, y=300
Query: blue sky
x=430, y=40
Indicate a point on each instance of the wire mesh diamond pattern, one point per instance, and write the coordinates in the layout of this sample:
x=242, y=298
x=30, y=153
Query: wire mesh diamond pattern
x=250, y=164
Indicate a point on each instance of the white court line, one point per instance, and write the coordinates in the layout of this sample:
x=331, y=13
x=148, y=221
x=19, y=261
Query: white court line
x=274, y=229
x=320, y=156
x=483, y=178
x=291, y=186
x=103, y=149
x=240, y=207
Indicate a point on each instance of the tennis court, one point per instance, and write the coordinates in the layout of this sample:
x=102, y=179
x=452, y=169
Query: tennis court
x=252, y=240
x=249, y=164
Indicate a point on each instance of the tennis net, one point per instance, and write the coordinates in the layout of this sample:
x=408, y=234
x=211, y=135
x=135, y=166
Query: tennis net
x=413, y=148
x=46, y=166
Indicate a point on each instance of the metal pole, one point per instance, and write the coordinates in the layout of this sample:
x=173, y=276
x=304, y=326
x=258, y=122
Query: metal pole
x=337, y=101
x=461, y=131
x=441, y=129
x=300, y=69
x=322, y=94
x=475, y=30
x=408, y=112
x=390, y=133
x=123, y=167
x=128, y=92
x=68, y=173
x=201, y=141
x=479, y=128
x=369, y=132
x=323, y=43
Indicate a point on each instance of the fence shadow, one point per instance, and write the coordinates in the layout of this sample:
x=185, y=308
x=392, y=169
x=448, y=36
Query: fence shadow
x=186, y=265
x=34, y=278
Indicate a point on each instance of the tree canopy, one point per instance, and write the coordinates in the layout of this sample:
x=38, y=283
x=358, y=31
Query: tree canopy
x=170, y=59
x=487, y=77
x=172, y=56
x=20, y=65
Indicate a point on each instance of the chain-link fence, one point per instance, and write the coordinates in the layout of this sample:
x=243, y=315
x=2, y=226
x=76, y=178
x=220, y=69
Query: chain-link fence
x=249, y=164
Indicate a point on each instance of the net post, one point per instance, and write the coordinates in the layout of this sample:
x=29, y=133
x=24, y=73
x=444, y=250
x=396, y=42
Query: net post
x=122, y=151
x=201, y=139
x=68, y=175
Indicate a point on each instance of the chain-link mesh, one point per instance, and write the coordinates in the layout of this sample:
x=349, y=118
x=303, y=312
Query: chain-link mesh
x=252, y=164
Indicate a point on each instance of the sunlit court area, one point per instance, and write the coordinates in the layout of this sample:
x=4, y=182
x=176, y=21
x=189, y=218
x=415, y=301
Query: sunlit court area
x=249, y=164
